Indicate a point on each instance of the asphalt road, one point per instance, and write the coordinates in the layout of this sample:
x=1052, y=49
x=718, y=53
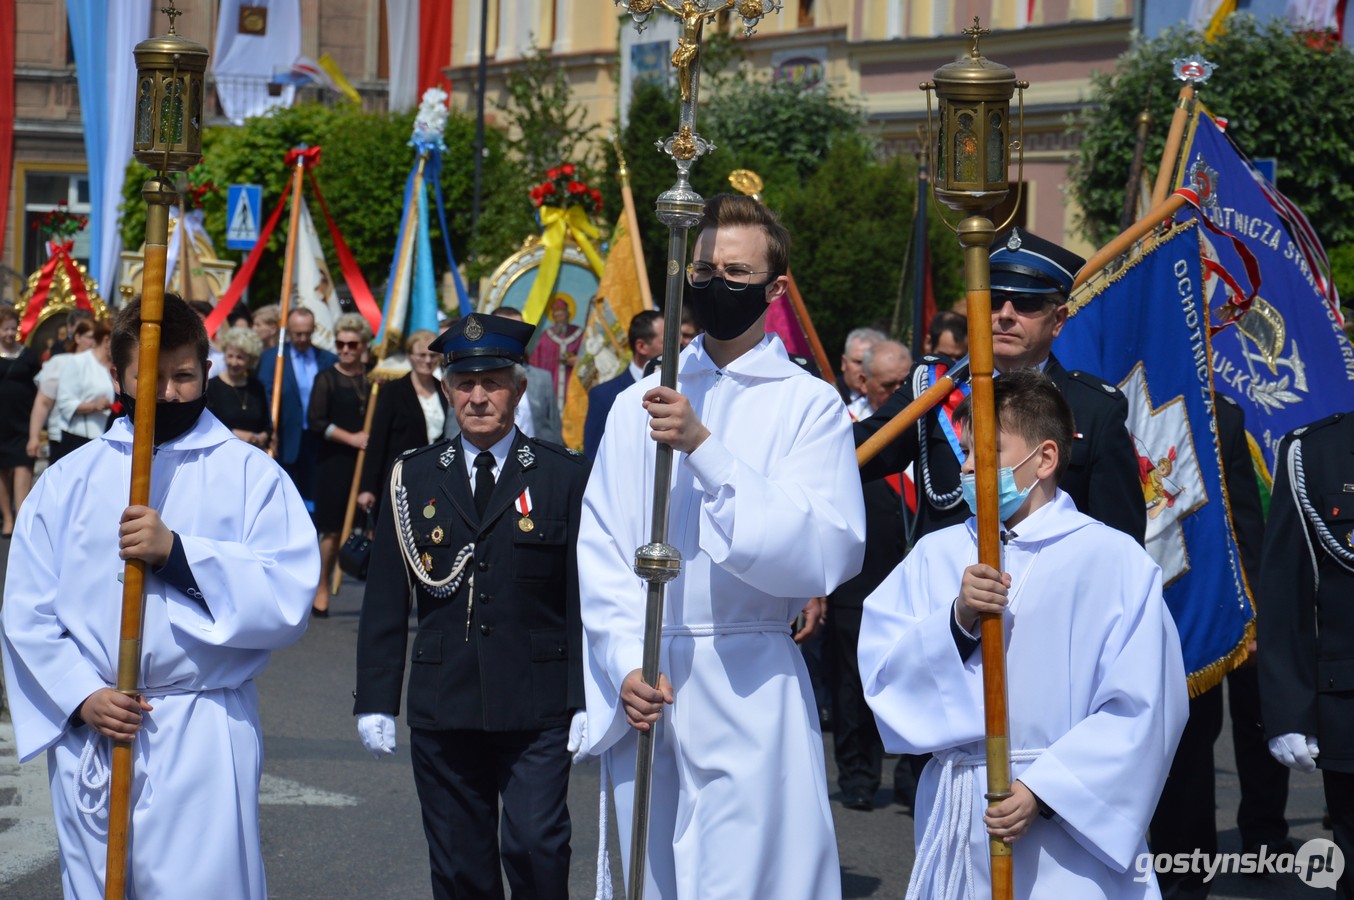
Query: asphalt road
x=339, y=824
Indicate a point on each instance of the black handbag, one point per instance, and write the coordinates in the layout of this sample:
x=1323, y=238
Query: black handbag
x=355, y=554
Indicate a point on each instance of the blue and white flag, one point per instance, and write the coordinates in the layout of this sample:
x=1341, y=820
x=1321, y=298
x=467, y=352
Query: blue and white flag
x=1147, y=331
x=1286, y=360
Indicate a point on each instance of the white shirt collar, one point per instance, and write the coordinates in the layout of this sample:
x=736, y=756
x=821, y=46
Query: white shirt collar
x=500, y=451
x=636, y=372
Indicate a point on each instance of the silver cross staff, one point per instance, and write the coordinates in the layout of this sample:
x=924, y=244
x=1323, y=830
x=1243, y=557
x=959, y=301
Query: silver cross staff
x=680, y=208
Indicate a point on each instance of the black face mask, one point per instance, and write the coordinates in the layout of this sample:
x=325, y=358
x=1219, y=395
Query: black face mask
x=171, y=419
x=724, y=313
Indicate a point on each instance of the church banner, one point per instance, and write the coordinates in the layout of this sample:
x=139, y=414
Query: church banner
x=1287, y=360
x=1146, y=330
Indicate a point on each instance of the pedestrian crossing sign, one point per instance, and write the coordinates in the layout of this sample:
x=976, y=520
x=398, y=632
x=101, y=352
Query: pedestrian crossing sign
x=243, y=205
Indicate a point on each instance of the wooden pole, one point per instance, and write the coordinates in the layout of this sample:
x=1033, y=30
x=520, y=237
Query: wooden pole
x=1166, y=173
x=909, y=415
x=632, y=227
x=802, y=314
x=159, y=194
x=288, y=260
x=389, y=340
x=1159, y=214
x=1133, y=190
x=976, y=234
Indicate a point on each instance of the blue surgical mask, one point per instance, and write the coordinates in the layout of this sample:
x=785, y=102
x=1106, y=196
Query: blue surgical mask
x=1009, y=497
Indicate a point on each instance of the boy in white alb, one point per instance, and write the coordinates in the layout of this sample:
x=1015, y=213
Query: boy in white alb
x=1095, y=680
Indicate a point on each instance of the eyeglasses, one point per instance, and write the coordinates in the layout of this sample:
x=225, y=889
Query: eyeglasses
x=698, y=274
x=1023, y=304
x=347, y=345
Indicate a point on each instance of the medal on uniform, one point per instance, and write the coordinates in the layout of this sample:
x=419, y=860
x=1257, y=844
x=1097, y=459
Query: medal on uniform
x=438, y=534
x=430, y=510
x=427, y=560
x=523, y=504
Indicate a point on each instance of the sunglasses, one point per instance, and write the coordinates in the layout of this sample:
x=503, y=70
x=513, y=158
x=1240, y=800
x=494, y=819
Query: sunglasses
x=347, y=345
x=1023, y=304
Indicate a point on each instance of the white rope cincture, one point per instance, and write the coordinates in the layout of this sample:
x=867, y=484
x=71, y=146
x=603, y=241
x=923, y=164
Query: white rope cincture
x=921, y=382
x=404, y=528
x=93, y=777
x=945, y=851
x=604, y=889
x=1344, y=556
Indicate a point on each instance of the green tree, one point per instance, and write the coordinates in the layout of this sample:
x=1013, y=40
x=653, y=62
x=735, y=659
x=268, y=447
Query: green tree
x=545, y=126
x=365, y=160
x=851, y=224
x=1262, y=71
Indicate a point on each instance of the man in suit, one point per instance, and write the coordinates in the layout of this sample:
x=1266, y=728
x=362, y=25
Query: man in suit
x=646, y=343
x=1306, y=634
x=538, y=414
x=297, y=446
x=1031, y=280
x=483, y=527
x=853, y=354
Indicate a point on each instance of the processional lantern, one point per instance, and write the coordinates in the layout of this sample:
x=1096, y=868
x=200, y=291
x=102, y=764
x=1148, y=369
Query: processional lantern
x=972, y=146
x=170, y=87
x=972, y=150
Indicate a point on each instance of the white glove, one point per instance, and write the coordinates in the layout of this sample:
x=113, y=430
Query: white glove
x=377, y=731
x=1297, y=751
x=578, y=731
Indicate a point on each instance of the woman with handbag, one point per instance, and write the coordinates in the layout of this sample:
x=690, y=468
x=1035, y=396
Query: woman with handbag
x=410, y=412
x=338, y=408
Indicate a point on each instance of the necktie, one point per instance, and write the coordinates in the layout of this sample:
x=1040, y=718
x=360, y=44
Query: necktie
x=484, y=481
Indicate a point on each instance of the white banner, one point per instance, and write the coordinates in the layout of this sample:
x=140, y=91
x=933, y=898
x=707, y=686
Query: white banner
x=244, y=63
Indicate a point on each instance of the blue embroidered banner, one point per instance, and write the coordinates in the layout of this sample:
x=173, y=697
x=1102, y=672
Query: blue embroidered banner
x=1147, y=331
x=1287, y=360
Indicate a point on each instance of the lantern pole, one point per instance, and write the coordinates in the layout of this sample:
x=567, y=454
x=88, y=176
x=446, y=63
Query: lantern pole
x=168, y=138
x=680, y=208
x=971, y=160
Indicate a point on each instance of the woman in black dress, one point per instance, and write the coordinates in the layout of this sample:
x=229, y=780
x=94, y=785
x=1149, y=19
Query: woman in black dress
x=338, y=411
x=410, y=412
x=18, y=366
x=235, y=396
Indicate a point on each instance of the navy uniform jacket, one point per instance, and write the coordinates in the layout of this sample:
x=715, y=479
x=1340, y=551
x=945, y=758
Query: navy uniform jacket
x=519, y=665
x=600, y=401
x=1306, y=629
x=1101, y=477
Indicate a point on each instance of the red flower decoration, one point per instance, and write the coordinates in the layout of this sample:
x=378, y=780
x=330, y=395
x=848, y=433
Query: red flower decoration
x=61, y=223
x=563, y=185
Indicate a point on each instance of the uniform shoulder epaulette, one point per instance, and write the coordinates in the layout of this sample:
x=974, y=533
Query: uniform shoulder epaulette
x=415, y=451
x=1093, y=382
x=1307, y=429
x=558, y=449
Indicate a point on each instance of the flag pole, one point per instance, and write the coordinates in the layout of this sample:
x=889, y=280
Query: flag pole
x=748, y=182
x=384, y=347
x=288, y=261
x=1191, y=70
x=171, y=70
x=632, y=226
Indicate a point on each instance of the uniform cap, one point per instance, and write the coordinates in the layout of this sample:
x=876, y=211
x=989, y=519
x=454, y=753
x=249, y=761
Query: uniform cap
x=479, y=343
x=1024, y=263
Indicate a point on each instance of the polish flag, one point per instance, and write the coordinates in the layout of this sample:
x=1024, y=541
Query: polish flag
x=420, y=49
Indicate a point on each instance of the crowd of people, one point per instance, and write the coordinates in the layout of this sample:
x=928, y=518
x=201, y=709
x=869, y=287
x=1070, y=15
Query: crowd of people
x=515, y=557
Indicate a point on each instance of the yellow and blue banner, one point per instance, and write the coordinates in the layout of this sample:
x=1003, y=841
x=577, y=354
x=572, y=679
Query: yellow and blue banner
x=1146, y=329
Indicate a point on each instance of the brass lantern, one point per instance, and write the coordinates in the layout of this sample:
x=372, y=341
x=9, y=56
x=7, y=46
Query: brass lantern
x=973, y=143
x=170, y=86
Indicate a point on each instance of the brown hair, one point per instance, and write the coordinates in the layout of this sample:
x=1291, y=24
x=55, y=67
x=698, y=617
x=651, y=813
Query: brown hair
x=1030, y=405
x=179, y=327
x=734, y=210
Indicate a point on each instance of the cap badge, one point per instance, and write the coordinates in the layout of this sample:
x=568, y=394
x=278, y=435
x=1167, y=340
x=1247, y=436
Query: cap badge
x=1013, y=242
x=473, y=329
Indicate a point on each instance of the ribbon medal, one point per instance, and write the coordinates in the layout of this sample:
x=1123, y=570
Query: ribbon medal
x=430, y=510
x=523, y=504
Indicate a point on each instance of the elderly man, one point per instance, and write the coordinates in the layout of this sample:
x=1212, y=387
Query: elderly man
x=478, y=533
x=883, y=369
x=297, y=446
x=1031, y=279
x=853, y=353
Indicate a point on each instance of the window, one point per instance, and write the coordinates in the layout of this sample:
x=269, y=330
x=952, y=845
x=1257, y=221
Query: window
x=43, y=192
x=805, y=13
